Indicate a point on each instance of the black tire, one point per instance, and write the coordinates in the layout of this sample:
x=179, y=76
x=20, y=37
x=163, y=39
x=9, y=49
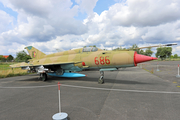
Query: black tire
x=43, y=76
x=101, y=80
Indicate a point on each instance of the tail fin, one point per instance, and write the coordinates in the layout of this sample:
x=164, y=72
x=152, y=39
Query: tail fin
x=34, y=53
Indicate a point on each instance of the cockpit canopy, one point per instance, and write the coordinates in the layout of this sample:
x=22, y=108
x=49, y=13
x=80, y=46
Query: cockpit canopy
x=90, y=49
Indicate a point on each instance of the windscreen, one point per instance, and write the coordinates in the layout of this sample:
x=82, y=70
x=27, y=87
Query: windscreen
x=89, y=49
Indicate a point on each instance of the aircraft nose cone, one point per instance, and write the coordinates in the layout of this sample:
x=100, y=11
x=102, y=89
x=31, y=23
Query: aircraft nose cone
x=142, y=58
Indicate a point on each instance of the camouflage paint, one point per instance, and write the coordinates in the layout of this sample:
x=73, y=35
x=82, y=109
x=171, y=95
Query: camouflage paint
x=76, y=60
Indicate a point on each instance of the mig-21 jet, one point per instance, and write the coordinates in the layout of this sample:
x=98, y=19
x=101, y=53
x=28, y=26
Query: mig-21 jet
x=67, y=63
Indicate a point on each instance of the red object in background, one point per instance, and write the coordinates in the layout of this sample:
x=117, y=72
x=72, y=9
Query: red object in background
x=6, y=56
x=142, y=58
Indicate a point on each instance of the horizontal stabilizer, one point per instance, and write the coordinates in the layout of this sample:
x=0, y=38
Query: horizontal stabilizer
x=23, y=64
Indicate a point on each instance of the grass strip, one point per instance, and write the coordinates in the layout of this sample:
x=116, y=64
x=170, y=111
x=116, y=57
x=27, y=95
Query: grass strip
x=6, y=71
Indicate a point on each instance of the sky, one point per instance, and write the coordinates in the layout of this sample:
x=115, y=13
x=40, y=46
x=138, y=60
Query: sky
x=49, y=25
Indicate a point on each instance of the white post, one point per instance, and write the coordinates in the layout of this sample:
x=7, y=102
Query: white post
x=60, y=115
x=178, y=69
x=59, y=98
x=157, y=68
x=178, y=72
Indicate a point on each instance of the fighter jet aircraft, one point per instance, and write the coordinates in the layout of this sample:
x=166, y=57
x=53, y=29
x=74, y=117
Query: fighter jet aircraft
x=65, y=64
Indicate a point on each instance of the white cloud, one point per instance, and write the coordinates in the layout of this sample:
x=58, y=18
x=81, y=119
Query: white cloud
x=144, y=12
x=39, y=7
x=86, y=5
x=168, y=32
x=50, y=25
x=44, y=20
x=175, y=50
x=6, y=21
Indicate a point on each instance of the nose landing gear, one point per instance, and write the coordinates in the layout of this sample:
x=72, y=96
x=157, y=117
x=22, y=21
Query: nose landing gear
x=101, y=78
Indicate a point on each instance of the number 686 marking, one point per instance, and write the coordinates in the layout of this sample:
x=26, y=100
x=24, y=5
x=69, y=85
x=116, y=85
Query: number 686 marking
x=101, y=60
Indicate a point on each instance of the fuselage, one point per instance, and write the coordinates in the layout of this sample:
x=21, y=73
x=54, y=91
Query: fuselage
x=64, y=64
x=83, y=58
x=90, y=60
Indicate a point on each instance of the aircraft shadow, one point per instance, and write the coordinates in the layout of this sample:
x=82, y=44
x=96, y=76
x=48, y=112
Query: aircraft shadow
x=106, y=80
x=51, y=79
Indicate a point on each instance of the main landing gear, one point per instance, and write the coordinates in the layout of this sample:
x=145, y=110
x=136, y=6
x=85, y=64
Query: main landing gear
x=101, y=79
x=43, y=76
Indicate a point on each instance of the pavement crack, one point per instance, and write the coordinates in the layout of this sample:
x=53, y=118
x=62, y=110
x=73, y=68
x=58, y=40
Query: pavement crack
x=107, y=97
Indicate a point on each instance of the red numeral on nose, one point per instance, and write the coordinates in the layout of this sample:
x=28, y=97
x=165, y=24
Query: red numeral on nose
x=107, y=60
x=101, y=60
x=96, y=61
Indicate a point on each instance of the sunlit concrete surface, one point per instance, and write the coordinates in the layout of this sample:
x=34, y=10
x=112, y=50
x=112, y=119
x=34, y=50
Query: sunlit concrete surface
x=129, y=94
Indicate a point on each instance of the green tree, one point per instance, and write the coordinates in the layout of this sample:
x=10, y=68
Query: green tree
x=22, y=56
x=169, y=51
x=3, y=59
x=92, y=46
x=141, y=52
x=148, y=52
x=175, y=56
x=10, y=58
x=134, y=48
x=164, y=52
x=1, y=56
x=119, y=48
x=172, y=57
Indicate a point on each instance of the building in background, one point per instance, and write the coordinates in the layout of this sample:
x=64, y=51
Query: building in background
x=6, y=56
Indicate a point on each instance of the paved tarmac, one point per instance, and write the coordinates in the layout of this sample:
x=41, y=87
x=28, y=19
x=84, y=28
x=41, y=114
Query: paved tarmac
x=130, y=94
x=167, y=70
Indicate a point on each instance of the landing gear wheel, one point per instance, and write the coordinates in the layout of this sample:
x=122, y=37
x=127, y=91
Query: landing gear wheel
x=43, y=76
x=101, y=80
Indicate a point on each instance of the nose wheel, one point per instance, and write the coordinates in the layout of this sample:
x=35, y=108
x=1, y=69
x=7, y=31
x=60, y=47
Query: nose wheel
x=101, y=78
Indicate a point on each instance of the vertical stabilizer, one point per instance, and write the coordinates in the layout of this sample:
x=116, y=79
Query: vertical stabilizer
x=34, y=53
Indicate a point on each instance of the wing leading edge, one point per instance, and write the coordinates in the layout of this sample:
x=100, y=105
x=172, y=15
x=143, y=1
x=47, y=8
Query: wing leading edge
x=23, y=64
